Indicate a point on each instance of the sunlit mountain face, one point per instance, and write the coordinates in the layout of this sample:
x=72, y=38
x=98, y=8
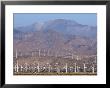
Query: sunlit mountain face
x=59, y=35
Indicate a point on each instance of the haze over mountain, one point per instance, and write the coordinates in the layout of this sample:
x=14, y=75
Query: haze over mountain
x=59, y=35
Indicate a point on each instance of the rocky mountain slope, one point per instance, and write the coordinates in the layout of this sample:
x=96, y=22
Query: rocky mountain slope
x=59, y=36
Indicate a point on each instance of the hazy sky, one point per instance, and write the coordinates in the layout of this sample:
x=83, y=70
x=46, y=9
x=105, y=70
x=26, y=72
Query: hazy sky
x=23, y=19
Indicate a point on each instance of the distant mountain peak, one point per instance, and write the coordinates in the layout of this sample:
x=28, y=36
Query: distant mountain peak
x=65, y=21
x=64, y=26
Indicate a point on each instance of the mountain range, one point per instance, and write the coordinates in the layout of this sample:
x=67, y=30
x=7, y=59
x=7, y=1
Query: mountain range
x=59, y=36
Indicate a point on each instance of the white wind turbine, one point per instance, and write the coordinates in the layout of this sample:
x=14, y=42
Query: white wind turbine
x=16, y=54
x=84, y=66
x=16, y=67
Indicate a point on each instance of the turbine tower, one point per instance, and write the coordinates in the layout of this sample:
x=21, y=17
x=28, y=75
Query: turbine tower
x=84, y=67
x=16, y=54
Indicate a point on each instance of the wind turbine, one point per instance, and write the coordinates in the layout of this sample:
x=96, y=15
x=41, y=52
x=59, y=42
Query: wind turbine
x=39, y=52
x=78, y=68
x=49, y=67
x=93, y=69
x=16, y=67
x=48, y=53
x=16, y=54
x=75, y=68
x=44, y=52
x=38, y=68
x=32, y=53
x=21, y=68
x=26, y=67
x=72, y=56
x=84, y=67
x=66, y=68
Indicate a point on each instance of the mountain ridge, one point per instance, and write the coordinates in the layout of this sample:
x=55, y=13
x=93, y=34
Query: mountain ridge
x=62, y=26
x=59, y=35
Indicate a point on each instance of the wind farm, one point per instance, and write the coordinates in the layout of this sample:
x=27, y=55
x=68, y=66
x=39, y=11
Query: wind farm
x=57, y=46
